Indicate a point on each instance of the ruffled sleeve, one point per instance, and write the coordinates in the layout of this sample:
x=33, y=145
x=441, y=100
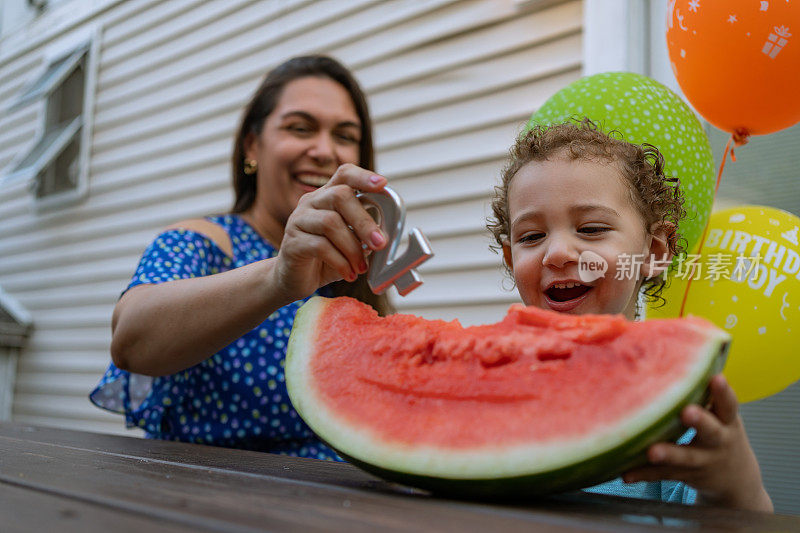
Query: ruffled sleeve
x=174, y=254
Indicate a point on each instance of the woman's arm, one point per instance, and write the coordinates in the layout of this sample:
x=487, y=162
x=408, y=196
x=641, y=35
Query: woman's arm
x=164, y=328
x=167, y=327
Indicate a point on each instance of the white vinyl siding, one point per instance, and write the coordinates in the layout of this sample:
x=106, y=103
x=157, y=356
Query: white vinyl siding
x=446, y=114
x=449, y=84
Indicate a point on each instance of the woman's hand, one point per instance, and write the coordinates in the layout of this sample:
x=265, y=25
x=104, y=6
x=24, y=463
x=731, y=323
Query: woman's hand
x=719, y=462
x=323, y=239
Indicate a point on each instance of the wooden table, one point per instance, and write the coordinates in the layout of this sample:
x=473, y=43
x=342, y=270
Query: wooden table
x=54, y=480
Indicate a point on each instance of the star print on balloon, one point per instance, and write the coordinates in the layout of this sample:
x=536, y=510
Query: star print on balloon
x=736, y=62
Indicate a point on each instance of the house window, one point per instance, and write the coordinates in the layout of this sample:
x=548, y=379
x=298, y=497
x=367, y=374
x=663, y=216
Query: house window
x=55, y=167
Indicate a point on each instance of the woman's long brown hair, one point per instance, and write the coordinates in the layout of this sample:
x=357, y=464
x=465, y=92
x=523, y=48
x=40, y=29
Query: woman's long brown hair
x=255, y=114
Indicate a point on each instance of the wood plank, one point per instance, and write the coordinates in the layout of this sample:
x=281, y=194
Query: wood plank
x=65, y=408
x=58, y=245
x=441, y=20
x=24, y=138
x=516, y=68
x=170, y=140
x=196, y=455
x=58, y=384
x=228, y=61
x=16, y=200
x=449, y=184
x=160, y=25
x=64, y=361
x=26, y=509
x=452, y=218
x=182, y=482
x=123, y=244
x=139, y=123
x=126, y=22
x=119, y=268
x=459, y=50
x=229, y=99
x=181, y=492
x=105, y=293
x=96, y=424
x=470, y=147
x=503, y=104
x=460, y=287
x=469, y=250
x=16, y=73
x=467, y=315
x=18, y=127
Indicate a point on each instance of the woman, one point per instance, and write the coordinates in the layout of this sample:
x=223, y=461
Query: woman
x=199, y=336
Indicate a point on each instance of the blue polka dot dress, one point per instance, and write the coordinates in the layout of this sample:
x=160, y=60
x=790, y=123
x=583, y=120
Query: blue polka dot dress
x=236, y=398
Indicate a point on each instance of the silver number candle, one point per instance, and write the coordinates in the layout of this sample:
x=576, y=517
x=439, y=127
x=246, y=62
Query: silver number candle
x=385, y=269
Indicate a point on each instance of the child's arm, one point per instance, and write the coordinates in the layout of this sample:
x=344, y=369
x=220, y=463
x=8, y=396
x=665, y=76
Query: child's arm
x=719, y=462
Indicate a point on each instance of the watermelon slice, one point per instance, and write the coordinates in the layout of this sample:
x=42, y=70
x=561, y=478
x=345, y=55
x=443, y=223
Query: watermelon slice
x=538, y=403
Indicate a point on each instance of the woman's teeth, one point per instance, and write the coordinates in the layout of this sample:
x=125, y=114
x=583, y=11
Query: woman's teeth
x=312, y=180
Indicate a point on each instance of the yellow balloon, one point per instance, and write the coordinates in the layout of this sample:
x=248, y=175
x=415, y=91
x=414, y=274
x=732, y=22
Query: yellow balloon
x=747, y=281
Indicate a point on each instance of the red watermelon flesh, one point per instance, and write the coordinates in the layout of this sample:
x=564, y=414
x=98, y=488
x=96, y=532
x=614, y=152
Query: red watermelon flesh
x=432, y=398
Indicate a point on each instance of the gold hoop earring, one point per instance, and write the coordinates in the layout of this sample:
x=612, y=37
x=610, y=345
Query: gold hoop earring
x=250, y=166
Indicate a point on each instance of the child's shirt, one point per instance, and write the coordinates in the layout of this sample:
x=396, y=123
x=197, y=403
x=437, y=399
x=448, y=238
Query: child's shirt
x=665, y=491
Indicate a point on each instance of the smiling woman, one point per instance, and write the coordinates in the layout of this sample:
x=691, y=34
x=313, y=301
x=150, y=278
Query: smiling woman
x=199, y=335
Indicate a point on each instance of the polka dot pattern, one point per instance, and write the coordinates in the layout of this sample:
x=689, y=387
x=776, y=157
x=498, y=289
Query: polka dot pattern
x=237, y=398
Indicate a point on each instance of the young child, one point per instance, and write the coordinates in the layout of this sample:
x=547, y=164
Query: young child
x=570, y=189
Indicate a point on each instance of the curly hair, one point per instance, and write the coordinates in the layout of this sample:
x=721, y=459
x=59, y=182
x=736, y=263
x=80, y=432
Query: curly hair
x=656, y=197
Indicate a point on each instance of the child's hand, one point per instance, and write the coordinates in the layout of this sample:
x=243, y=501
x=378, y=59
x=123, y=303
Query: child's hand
x=719, y=462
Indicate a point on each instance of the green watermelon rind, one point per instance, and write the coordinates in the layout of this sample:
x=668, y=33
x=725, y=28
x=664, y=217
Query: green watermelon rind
x=505, y=471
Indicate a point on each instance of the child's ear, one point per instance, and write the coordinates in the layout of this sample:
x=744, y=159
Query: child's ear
x=659, y=257
x=507, y=255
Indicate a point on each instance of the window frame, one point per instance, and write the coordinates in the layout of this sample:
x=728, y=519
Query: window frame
x=31, y=93
x=82, y=45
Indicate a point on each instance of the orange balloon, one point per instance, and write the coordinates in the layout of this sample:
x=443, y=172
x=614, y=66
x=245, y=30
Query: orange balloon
x=738, y=61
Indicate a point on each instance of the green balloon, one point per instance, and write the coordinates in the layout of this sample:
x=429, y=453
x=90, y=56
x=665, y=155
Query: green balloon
x=645, y=111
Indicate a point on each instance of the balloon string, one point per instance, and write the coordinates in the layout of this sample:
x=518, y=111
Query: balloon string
x=738, y=138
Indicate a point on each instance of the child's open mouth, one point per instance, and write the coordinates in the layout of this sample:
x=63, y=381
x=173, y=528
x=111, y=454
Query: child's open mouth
x=564, y=297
